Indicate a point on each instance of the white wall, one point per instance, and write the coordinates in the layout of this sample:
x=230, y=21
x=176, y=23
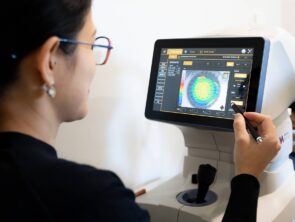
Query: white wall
x=288, y=15
x=115, y=135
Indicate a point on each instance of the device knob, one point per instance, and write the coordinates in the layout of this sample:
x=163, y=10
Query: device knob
x=206, y=176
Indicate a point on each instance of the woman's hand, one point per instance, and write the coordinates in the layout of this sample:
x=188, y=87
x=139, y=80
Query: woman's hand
x=251, y=157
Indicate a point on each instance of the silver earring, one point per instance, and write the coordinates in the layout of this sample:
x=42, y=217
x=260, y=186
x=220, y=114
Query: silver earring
x=51, y=91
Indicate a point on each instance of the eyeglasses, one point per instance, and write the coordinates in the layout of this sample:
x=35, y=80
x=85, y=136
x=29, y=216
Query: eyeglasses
x=101, y=48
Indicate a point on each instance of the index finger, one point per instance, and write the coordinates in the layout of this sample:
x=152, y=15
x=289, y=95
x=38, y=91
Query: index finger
x=239, y=126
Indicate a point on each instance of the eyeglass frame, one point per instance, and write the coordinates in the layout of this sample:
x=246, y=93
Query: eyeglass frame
x=108, y=47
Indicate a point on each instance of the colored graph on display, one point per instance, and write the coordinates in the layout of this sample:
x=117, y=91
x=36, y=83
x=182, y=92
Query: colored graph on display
x=203, y=89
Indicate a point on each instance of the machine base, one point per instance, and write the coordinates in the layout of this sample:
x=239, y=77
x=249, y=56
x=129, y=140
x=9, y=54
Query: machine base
x=162, y=204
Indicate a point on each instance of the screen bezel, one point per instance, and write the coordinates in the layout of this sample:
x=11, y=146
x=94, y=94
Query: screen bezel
x=258, y=43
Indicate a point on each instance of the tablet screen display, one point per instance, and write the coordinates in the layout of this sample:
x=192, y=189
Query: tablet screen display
x=194, y=81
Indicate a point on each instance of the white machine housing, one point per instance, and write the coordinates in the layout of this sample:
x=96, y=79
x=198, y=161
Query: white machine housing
x=277, y=195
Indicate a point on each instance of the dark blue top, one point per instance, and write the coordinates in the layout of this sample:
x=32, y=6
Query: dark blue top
x=38, y=186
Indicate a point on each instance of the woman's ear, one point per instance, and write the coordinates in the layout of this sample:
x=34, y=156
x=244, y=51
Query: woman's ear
x=47, y=56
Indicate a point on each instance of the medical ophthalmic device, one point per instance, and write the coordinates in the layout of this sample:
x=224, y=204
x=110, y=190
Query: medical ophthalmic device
x=193, y=84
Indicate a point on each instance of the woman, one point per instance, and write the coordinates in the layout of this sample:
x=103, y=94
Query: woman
x=47, y=66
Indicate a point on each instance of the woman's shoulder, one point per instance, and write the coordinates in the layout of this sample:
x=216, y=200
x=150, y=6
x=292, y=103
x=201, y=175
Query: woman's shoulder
x=68, y=173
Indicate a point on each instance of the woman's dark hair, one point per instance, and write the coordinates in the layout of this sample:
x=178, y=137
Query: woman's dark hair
x=26, y=24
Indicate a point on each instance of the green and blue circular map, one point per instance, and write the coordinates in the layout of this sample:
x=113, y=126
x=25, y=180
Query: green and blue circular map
x=203, y=90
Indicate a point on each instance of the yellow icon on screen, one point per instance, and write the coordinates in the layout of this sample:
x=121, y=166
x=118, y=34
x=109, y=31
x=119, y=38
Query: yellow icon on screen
x=188, y=63
x=241, y=75
x=230, y=64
